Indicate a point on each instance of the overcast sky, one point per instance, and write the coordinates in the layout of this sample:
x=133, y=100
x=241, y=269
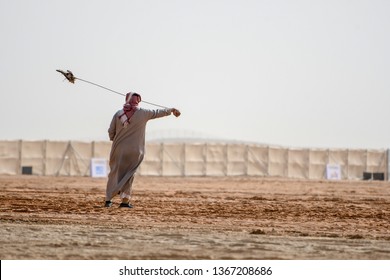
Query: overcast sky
x=300, y=73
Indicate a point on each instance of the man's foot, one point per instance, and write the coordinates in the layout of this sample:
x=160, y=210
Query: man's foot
x=108, y=204
x=125, y=205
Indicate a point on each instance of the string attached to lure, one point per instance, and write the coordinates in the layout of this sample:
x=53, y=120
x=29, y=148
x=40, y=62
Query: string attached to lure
x=71, y=78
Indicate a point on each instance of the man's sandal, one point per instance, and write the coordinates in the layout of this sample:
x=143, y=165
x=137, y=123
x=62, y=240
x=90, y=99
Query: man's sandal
x=125, y=205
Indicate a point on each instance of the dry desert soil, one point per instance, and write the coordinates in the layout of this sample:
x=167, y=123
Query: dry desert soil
x=63, y=218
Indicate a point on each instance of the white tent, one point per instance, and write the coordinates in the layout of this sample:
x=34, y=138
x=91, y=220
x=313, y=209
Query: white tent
x=73, y=158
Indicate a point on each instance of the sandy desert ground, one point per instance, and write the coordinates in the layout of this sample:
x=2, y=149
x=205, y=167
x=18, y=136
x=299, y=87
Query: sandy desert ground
x=63, y=218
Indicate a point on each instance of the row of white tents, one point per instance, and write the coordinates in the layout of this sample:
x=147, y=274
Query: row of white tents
x=77, y=158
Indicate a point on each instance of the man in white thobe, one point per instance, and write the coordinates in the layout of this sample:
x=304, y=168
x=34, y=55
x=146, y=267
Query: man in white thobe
x=127, y=131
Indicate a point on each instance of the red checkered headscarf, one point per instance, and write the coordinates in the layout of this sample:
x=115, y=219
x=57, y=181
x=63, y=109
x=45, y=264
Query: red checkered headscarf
x=129, y=109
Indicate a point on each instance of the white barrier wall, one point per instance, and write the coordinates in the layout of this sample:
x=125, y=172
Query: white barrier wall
x=73, y=158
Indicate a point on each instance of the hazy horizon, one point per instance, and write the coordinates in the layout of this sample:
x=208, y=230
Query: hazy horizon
x=290, y=73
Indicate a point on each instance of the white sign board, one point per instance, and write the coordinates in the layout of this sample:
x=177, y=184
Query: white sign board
x=99, y=167
x=333, y=172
